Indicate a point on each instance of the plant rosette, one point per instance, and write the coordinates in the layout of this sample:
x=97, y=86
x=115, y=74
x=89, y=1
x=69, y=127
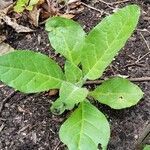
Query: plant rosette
x=87, y=57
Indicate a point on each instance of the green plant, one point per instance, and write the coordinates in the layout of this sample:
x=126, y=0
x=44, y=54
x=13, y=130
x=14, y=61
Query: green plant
x=32, y=72
x=146, y=147
x=21, y=5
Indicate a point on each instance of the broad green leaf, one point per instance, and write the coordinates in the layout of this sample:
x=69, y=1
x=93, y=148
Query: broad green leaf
x=85, y=129
x=30, y=72
x=72, y=72
x=118, y=93
x=66, y=37
x=106, y=39
x=69, y=96
x=147, y=147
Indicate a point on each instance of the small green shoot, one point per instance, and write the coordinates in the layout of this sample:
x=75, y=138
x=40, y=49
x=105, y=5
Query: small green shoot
x=21, y=5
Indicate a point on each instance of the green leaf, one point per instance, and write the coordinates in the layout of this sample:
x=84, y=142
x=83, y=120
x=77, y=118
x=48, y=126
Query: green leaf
x=118, y=93
x=31, y=4
x=147, y=147
x=72, y=72
x=66, y=37
x=69, y=96
x=106, y=39
x=20, y=5
x=85, y=129
x=30, y=72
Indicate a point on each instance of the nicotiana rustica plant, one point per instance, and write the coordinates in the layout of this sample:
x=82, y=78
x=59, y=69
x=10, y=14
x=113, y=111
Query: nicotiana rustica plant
x=87, y=57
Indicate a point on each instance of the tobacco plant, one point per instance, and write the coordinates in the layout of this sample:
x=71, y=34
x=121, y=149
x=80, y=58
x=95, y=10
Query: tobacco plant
x=87, y=57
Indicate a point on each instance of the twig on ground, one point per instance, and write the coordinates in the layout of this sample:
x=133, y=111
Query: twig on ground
x=98, y=10
x=145, y=41
x=6, y=100
x=112, y=3
x=144, y=135
x=2, y=85
x=135, y=64
x=147, y=45
x=119, y=2
x=107, y=3
x=56, y=147
x=142, y=79
x=143, y=30
x=2, y=127
x=24, y=128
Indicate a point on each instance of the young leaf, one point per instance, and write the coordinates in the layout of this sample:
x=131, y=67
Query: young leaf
x=117, y=93
x=147, y=147
x=25, y=4
x=72, y=72
x=30, y=72
x=69, y=96
x=106, y=39
x=85, y=129
x=20, y=5
x=66, y=37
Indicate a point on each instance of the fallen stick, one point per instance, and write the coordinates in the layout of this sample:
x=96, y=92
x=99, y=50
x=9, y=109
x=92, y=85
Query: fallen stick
x=5, y=100
x=142, y=79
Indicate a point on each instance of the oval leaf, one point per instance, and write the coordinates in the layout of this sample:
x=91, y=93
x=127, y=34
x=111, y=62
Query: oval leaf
x=30, y=72
x=70, y=95
x=72, y=72
x=85, y=129
x=106, y=39
x=118, y=93
x=66, y=37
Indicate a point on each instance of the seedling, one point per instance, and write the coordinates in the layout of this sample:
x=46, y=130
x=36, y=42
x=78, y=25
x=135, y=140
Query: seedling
x=87, y=57
x=21, y=5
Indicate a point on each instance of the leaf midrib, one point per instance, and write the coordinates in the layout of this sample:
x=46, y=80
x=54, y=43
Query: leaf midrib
x=68, y=49
x=32, y=72
x=86, y=76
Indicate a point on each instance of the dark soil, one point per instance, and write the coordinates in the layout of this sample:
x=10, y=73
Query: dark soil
x=26, y=122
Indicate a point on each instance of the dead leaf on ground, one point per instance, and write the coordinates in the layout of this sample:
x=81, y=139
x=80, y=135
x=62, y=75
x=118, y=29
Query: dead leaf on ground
x=72, y=1
x=34, y=16
x=4, y=3
x=3, y=12
x=2, y=38
x=18, y=28
x=52, y=92
x=68, y=16
x=5, y=48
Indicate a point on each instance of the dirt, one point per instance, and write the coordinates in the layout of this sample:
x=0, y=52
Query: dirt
x=26, y=122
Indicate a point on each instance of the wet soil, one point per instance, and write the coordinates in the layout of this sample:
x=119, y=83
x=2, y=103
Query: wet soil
x=26, y=122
